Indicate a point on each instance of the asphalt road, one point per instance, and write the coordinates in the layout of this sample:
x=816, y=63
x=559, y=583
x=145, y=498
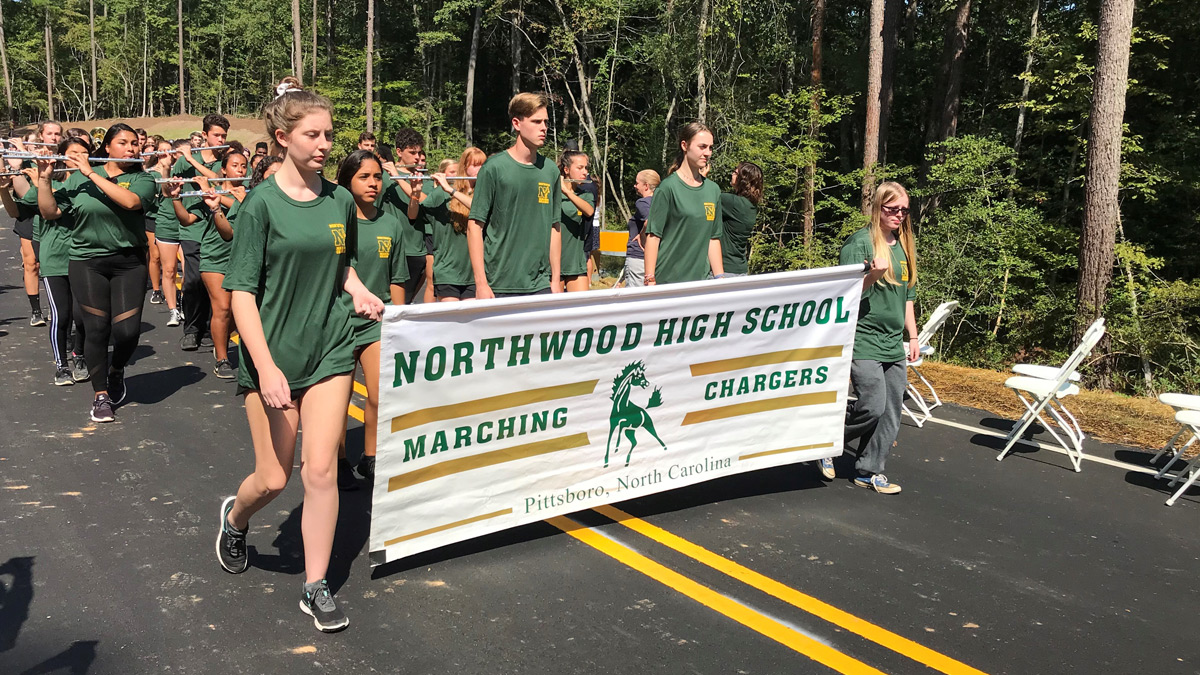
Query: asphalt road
x=107, y=563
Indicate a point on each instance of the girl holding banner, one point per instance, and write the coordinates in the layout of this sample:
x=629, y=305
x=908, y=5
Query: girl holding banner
x=684, y=229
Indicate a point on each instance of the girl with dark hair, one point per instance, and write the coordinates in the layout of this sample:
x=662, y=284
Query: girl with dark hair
x=739, y=209
x=383, y=269
x=107, y=265
x=294, y=292
x=166, y=233
x=576, y=221
x=683, y=240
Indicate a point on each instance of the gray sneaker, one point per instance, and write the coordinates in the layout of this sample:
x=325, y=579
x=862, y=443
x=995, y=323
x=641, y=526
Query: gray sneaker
x=79, y=371
x=231, y=543
x=318, y=603
x=102, y=409
x=190, y=342
x=224, y=370
x=62, y=378
x=36, y=318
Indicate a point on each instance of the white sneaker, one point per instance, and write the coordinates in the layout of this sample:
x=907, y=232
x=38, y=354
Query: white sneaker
x=176, y=318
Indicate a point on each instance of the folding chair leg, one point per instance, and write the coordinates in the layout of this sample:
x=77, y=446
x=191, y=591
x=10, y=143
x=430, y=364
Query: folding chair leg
x=932, y=392
x=1170, y=446
x=1191, y=479
x=1072, y=430
x=1178, y=452
x=916, y=420
x=1021, y=425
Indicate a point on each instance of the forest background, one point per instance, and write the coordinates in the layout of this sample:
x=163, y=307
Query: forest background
x=986, y=110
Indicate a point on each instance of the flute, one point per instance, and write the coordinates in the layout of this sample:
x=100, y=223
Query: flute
x=63, y=158
x=160, y=181
x=416, y=177
x=210, y=147
x=13, y=173
x=44, y=145
x=201, y=193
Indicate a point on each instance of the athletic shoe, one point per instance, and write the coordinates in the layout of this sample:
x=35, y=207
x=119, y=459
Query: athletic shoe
x=318, y=603
x=224, y=370
x=366, y=467
x=190, y=342
x=79, y=370
x=116, y=386
x=102, y=409
x=62, y=378
x=175, y=319
x=878, y=483
x=36, y=319
x=345, y=477
x=157, y=298
x=231, y=542
x=206, y=342
x=827, y=468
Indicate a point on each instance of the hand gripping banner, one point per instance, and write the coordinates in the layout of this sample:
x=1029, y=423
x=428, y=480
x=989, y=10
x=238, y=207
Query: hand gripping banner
x=498, y=413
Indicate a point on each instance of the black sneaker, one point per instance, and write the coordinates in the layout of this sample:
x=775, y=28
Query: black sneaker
x=102, y=409
x=62, y=378
x=318, y=603
x=366, y=467
x=231, y=543
x=345, y=477
x=36, y=319
x=206, y=342
x=190, y=342
x=79, y=371
x=224, y=370
x=116, y=386
x=78, y=368
x=157, y=298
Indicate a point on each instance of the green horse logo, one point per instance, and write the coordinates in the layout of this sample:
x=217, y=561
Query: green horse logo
x=626, y=416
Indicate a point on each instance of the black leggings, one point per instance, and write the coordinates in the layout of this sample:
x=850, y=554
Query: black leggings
x=197, y=308
x=62, y=312
x=110, y=291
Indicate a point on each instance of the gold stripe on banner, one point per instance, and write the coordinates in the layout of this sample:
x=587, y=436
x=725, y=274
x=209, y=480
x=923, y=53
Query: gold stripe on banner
x=755, y=360
x=751, y=407
x=453, y=466
x=491, y=404
x=798, y=448
x=448, y=526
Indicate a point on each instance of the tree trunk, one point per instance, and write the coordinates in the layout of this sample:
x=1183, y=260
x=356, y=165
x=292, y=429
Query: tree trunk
x=313, y=79
x=1101, y=210
x=92, y=48
x=874, y=77
x=147, y=106
x=943, y=114
x=891, y=34
x=469, y=105
x=297, y=50
x=179, y=16
x=701, y=80
x=49, y=69
x=1027, y=75
x=330, y=53
x=814, y=124
x=8, y=105
x=516, y=40
x=370, y=65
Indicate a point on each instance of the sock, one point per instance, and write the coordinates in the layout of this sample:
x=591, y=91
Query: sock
x=34, y=304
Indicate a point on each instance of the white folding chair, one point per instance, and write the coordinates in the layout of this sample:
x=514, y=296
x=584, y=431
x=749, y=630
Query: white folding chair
x=1179, y=402
x=932, y=326
x=1189, y=420
x=1046, y=395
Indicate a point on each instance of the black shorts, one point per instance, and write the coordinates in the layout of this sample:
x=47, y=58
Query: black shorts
x=149, y=225
x=429, y=244
x=593, y=240
x=24, y=228
x=466, y=292
x=544, y=291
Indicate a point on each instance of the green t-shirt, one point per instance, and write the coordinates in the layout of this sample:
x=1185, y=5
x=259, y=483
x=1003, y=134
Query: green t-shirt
x=293, y=257
x=166, y=225
x=880, y=332
x=686, y=219
x=53, y=237
x=184, y=169
x=737, y=224
x=393, y=199
x=575, y=233
x=152, y=211
x=27, y=209
x=214, y=250
x=451, y=258
x=380, y=263
x=101, y=227
x=519, y=205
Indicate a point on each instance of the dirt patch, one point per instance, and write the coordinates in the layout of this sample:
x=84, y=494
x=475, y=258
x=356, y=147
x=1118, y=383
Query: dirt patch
x=1111, y=418
x=245, y=129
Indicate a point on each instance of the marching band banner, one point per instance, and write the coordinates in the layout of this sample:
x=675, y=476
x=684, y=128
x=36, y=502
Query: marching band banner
x=498, y=413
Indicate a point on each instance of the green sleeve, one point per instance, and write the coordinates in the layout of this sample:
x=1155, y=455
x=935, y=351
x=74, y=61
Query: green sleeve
x=62, y=196
x=397, y=263
x=853, y=252
x=351, y=229
x=247, y=258
x=27, y=206
x=912, y=290
x=718, y=230
x=660, y=209
x=142, y=185
x=485, y=191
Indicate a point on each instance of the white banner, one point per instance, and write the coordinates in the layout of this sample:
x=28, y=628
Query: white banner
x=498, y=413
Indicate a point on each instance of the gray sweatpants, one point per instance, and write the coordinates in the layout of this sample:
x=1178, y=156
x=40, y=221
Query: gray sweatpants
x=875, y=416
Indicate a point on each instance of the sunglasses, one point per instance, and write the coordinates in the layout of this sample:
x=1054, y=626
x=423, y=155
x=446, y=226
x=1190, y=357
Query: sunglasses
x=895, y=210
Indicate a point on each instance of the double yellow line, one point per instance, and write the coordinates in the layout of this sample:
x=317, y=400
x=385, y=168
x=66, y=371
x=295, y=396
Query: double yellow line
x=746, y=616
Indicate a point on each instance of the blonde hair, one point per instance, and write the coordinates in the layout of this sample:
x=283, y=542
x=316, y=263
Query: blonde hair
x=527, y=103
x=649, y=177
x=458, y=211
x=287, y=109
x=445, y=164
x=887, y=192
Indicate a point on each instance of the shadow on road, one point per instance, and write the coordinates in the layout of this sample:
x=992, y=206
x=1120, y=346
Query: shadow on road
x=15, y=599
x=157, y=385
x=74, y=660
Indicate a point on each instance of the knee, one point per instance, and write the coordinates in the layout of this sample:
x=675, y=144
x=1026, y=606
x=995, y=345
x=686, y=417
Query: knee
x=319, y=475
x=270, y=482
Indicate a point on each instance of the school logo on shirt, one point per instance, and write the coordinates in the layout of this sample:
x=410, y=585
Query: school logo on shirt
x=124, y=184
x=904, y=271
x=385, y=246
x=543, y=193
x=710, y=210
x=339, y=237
